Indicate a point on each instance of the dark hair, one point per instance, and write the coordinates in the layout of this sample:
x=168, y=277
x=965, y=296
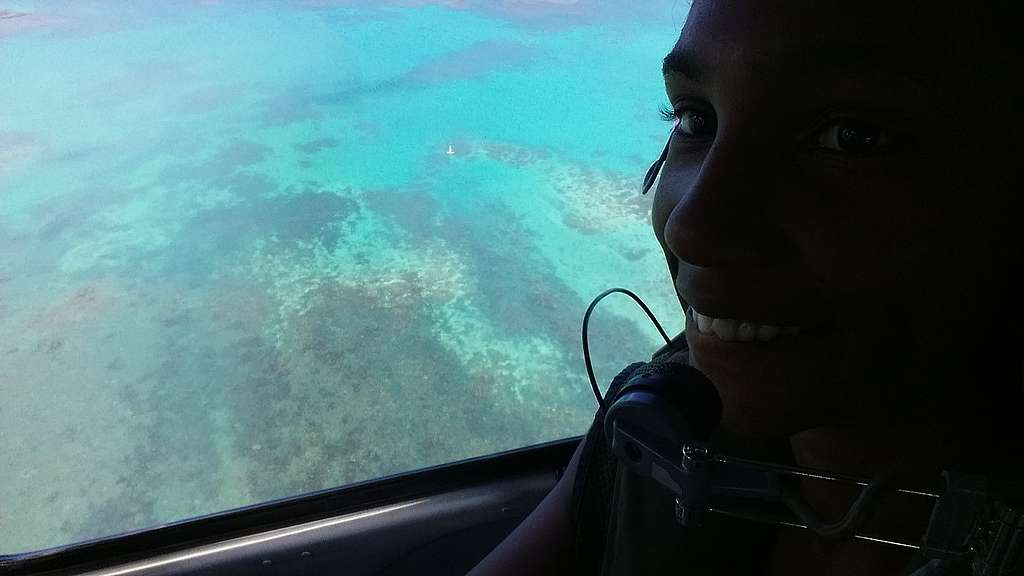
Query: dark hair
x=1008, y=389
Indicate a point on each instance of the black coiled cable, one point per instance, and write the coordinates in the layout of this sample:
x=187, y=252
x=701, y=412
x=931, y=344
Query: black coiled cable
x=586, y=341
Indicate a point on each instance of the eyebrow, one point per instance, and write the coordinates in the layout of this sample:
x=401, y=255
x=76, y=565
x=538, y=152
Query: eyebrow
x=684, y=63
x=809, y=60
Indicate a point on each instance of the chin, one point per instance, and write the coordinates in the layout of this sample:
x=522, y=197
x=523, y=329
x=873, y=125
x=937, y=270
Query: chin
x=771, y=391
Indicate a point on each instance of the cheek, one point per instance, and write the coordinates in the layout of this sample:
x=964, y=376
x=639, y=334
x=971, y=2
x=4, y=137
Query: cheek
x=672, y=185
x=872, y=238
x=668, y=192
x=859, y=230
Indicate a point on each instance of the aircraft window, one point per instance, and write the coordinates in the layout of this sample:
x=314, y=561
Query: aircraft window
x=249, y=251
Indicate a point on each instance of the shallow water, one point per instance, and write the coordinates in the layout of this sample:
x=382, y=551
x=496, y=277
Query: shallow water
x=237, y=262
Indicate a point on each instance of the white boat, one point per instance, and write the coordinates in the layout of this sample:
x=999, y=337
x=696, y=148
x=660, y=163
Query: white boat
x=451, y=150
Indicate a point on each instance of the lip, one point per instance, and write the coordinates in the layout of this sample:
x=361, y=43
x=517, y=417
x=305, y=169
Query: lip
x=776, y=296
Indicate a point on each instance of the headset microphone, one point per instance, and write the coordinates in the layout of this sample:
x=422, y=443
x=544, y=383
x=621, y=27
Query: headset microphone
x=664, y=404
x=660, y=425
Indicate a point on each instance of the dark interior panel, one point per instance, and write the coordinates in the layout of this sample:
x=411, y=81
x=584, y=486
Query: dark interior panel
x=440, y=522
x=445, y=534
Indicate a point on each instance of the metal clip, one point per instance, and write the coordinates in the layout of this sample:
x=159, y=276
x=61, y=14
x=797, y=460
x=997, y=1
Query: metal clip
x=957, y=516
x=999, y=548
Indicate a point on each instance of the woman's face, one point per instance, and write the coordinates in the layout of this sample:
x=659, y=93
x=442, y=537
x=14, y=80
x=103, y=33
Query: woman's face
x=830, y=173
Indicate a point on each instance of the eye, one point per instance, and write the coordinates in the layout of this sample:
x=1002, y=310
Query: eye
x=696, y=125
x=853, y=137
x=691, y=123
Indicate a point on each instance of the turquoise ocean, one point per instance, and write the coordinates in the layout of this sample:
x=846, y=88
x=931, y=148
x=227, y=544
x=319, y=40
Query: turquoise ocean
x=253, y=249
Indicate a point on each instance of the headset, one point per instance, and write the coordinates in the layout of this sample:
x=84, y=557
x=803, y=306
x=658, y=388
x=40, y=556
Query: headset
x=660, y=426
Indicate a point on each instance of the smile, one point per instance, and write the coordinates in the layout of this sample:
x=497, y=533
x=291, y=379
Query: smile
x=732, y=330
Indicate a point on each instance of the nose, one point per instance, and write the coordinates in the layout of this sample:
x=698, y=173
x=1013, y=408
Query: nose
x=721, y=212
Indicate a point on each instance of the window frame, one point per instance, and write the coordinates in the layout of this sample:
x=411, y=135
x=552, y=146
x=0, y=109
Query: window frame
x=202, y=530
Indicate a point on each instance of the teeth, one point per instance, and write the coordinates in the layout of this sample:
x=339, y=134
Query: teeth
x=730, y=330
x=766, y=333
x=746, y=332
x=703, y=323
x=724, y=328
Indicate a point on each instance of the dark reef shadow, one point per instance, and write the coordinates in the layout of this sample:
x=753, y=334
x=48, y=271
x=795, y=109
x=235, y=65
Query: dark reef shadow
x=478, y=60
x=220, y=235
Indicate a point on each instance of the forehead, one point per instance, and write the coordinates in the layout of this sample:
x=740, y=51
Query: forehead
x=924, y=39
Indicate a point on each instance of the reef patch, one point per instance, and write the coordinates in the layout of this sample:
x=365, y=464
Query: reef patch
x=317, y=145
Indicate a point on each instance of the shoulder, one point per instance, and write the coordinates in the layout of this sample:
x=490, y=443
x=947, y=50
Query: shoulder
x=594, y=483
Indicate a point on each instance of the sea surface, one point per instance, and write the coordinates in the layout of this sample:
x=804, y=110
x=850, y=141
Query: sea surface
x=252, y=249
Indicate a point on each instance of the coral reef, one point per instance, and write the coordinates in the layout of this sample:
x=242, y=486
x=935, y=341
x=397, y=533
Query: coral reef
x=250, y=270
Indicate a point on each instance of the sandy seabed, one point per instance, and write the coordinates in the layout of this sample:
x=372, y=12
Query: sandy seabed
x=238, y=274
